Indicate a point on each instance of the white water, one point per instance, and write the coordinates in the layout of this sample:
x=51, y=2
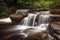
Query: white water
x=30, y=18
x=29, y=22
x=34, y=23
x=44, y=17
x=22, y=11
x=24, y=21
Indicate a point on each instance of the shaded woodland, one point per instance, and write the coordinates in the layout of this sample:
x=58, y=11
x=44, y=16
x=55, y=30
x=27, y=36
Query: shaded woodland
x=10, y=6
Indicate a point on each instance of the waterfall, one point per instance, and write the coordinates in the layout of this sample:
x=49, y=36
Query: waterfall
x=35, y=23
x=30, y=22
x=44, y=17
x=30, y=19
x=24, y=21
x=27, y=21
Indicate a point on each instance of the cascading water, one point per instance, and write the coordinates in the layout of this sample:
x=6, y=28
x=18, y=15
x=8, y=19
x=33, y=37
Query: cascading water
x=27, y=21
x=43, y=19
x=30, y=19
x=35, y=23
x=30, y=22
x=24, y=21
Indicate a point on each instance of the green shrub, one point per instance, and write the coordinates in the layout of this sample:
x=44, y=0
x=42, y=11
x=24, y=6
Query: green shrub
x=4, y=10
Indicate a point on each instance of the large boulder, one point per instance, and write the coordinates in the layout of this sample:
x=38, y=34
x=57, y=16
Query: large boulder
x=17, y=17
x=5, y=20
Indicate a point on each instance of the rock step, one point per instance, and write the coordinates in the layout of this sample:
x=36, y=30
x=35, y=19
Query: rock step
x=55, y=15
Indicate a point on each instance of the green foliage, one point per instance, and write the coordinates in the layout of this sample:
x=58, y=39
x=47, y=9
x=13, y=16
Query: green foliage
x=3, y=9
x=46, y=4
x=37, y=3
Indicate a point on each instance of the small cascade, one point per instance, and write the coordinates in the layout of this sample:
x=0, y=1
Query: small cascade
x=44, y=18
x=37, y=26
x=24, y=21
x=27, y=21
x=35, y=23
x=30, y=19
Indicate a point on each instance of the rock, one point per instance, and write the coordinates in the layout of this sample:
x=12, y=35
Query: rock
x=38, y=36
x=5, y=20
x=32, y=33
x=55, y=29
x=17, y=17
x=55, y=25
x=57, y=36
